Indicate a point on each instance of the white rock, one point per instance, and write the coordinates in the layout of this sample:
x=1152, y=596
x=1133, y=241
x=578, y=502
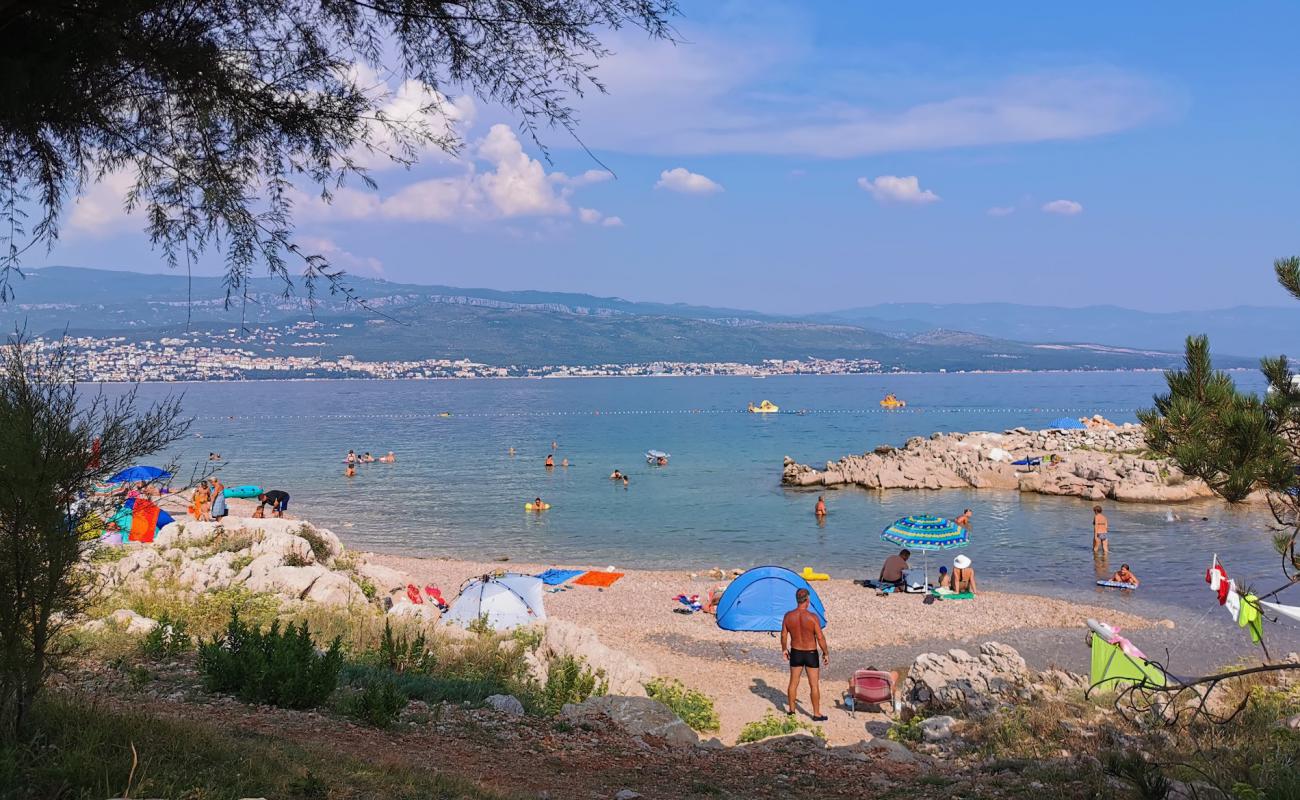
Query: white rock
x=335, y=589
x=506, y=703
x=637, y=716
x=291, y=582
x=937, y=729
x=625, y=675
x=131, y=622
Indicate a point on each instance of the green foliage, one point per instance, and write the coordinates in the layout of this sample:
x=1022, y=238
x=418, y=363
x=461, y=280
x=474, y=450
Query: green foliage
x=445, y=687
x=401, y=653
x=694, y=707
x=108, y=554
x=568, y=680
x=275, y=667
x=80, y=749
x=909, y=731
x=368, y=587
x=320, y=547
x=204, y=615
x=773, y=725
x=48, y=431
x=292, y=559
x=168, y=639
x=1231, y=440
x=1147, y=778
x=377, y=701
x=480, y=626
x=227, y=542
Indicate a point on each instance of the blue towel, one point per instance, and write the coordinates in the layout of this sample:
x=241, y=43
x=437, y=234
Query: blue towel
x=554, y=577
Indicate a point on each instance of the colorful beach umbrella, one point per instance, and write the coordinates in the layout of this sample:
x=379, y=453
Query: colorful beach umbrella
x=925, y=532
x=132, y=474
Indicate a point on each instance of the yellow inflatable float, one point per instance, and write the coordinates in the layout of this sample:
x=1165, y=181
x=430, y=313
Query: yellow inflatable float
x=891, y=401
x=533, y=507
x=765, y=407
x=809, y=575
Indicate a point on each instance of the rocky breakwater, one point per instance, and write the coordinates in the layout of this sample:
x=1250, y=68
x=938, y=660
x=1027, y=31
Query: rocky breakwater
x=1095, y=464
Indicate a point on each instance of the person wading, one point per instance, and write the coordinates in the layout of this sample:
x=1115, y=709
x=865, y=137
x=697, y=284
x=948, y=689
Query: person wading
x=801, y=637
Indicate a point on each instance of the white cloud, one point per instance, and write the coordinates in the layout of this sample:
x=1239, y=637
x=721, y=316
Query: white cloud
x=895, y=189
x=585, y=179
x=612, y=222
x=101, y=209
x=717, y=96
x=1067, y=208
x=680, y=179
x=589, y=215
x=1001, y=211
x=416, y=108
x=496, y=180
x=321, y=246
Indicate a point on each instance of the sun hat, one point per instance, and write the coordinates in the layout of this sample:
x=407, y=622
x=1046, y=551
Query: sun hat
x=961, y=562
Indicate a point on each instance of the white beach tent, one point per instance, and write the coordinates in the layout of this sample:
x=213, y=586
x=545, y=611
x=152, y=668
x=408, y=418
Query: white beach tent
x=508, y=601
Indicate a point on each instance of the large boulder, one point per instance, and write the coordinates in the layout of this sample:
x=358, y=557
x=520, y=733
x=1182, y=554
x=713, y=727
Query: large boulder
x=335, y=589
x=976, y=685
x=290, y=582
x=637, y=716
x=625, y=675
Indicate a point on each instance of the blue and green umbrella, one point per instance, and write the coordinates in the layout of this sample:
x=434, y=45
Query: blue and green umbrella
x=925, y=533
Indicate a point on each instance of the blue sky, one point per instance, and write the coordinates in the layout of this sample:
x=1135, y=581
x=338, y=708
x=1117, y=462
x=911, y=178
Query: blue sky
x=813, y=156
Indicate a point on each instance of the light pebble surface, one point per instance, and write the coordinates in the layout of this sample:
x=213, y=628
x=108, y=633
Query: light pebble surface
x=744, y=672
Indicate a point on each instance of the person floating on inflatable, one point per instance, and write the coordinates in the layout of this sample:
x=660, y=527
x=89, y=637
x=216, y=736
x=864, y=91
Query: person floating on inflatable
x=536, y=505
x=1125, y=575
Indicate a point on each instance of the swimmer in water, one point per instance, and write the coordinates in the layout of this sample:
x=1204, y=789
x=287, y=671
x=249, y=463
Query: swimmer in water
x=350, y=471
x=615, y=475
x=550, y=461
x=564, y=462
x=511, y=451
x=624, y=481
x=537, y=504
x=1125, y=575
x=820, y=509
x=555, y=445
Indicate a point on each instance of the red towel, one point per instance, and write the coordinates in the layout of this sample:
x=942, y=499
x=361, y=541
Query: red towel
x=144, y=520
x=598, y=578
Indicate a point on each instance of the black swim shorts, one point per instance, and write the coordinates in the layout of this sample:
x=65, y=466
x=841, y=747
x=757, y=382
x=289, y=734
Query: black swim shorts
x=805, y=658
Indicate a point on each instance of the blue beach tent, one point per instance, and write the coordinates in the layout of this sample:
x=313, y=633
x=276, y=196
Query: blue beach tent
x=1067, y=424
x=759, y=599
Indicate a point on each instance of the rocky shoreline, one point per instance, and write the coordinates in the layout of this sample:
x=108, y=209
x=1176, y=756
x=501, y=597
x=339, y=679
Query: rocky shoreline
x=1099, y=463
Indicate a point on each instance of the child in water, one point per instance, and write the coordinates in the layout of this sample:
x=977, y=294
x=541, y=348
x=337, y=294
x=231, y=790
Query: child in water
x=1125, y=575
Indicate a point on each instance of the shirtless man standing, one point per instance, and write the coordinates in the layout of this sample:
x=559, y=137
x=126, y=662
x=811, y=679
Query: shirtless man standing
x=801, y=636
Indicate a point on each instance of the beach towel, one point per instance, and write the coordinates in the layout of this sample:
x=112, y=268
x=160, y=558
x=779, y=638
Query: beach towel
x=948, y=594
x=144, y=520
x=598, y=578
x=555, y=577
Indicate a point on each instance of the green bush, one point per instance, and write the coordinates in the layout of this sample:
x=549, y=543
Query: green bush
x=400, y=653
x=168, y=639
x=377, y=702
x=695, y=708
x=276, y=667
x=292, y=559
x=909, y=731
x=445, y=687
x=320, y=548
x=568, y=680
x=772, y=725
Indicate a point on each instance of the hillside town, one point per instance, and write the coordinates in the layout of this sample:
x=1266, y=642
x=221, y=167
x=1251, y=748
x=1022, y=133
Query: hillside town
x=255, y=356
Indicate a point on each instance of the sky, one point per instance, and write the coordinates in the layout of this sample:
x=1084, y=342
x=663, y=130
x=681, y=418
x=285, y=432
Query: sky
x=813, y=156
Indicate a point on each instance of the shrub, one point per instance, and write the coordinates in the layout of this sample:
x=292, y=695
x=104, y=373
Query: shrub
x=111, y=553
x=225, y=542
x=205, y=614
x=168, y=639
x=695, y=708
x=292, y=559
x=568, y=680
x=402, y=654
x=431, y=689
x=275, y=667
x=909, y=731
x=368, y=587
x=320, y=548
x=772, y=725
x=377, y=702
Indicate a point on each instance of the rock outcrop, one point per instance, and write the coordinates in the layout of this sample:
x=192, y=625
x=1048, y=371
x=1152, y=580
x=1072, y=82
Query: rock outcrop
x=977, y=685
x=624, y=675
x=636, y=716
x=1095, y=464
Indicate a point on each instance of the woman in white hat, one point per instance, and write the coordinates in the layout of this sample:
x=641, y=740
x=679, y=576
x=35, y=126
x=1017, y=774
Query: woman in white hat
x=963, y=575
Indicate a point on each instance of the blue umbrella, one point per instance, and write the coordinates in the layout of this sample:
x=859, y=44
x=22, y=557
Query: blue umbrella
x=132, y=474
x=925, y=533
x=1067, y=424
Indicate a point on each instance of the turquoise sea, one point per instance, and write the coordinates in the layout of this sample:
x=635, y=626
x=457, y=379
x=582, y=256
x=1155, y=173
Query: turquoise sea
x=456, y=491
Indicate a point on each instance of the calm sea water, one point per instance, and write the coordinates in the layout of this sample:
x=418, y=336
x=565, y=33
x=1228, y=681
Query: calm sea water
x=456, y=491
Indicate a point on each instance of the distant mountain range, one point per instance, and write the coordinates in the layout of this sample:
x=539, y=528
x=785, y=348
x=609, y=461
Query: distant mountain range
x=534, y=328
